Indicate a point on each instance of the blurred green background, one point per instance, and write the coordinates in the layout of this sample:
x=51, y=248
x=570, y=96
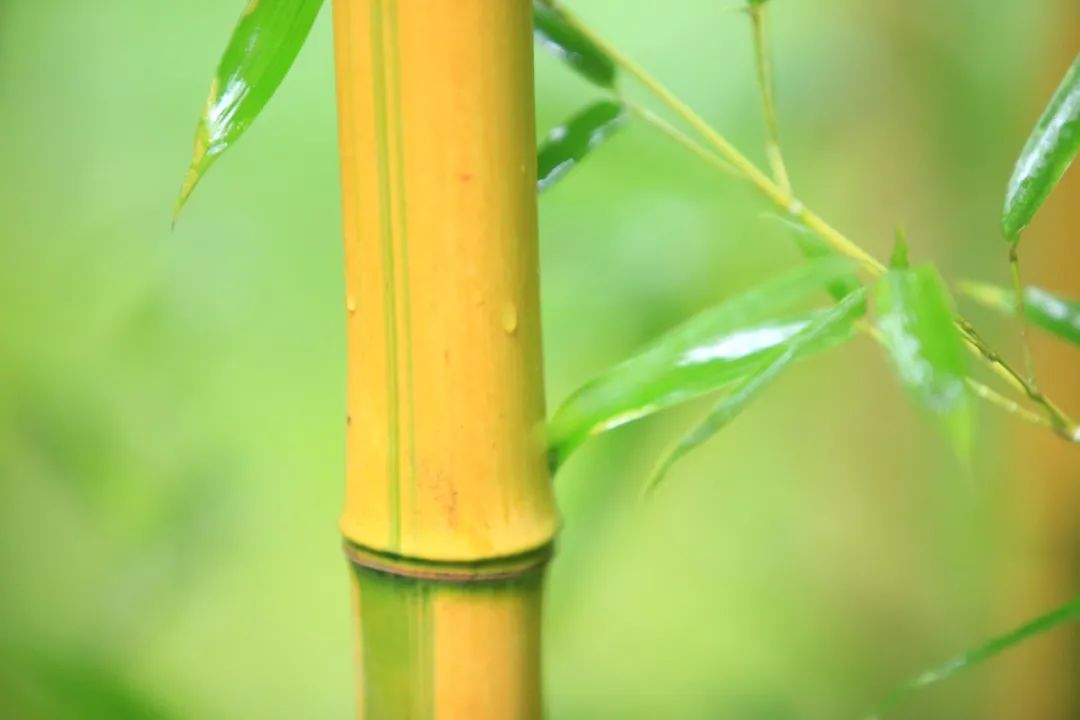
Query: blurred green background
x=171, y=402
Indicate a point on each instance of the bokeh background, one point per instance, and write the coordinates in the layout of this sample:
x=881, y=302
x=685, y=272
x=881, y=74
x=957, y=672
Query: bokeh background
x=171, y=401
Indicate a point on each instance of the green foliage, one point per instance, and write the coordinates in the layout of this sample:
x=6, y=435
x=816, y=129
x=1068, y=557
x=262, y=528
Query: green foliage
x=741, y=345
x=825, y=328
x=263, y=46
x=568, y=43
x=915, y=321
x=721, y=346
x=1067, y=613
x=1046, y=156
x=1053, y=313
x=568, y=144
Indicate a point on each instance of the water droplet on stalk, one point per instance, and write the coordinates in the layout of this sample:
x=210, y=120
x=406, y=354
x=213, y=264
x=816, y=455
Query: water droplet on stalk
x=509, y=318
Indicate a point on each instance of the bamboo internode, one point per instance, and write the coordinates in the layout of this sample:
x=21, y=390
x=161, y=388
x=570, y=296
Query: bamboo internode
x=438, y=176
x=449, y=514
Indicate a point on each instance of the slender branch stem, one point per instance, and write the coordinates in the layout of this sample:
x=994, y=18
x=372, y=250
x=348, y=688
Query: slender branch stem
x=763, y=64
x=1018, y=298
x=680, y=137
x=1061, y=423
x=783, y=198
x=1007, y=404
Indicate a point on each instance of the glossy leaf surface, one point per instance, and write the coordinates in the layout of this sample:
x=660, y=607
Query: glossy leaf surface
x=915, y=319
x=1053, y=313
x=570, y=45
x=825, y=327
x=710, y=351
x=263, y=46
x=568, y=144
x=1046, y=156
x=1069, y=612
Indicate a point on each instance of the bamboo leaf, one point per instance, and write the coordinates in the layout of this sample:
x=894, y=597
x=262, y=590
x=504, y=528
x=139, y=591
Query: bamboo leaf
x=263, y=46
x=836, y=322
x=570, y=45
x=1053, y=313
x=568, y=144
x=915, y=319
x=1068, y=612
x=706, y=353
x=1046, y=156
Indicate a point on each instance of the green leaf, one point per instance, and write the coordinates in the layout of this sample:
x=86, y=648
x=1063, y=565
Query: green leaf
x=1053, y=313
x=706, y=353
x=1068, y=612
x=1046, y=156
x=568, y=144
x=915, y=319
x=263, y=47
x=828, y=325
x=569, y=44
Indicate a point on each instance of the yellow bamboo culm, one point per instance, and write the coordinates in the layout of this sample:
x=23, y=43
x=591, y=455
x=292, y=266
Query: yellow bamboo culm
x=449, y=511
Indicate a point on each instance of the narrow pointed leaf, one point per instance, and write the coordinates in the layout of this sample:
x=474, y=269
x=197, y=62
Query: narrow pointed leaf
x=570, y=45
x=1046, y=156
x=915, y=318
x=568, y=144
x=263, y=47
x=706, y=353
x=1069, y=612
x=1053, y=313
x=828, y=325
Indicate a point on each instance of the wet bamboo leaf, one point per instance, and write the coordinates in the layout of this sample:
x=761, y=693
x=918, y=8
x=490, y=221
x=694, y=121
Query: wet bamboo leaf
x=1069, y=612
x=708, y=352
x=1046, y=156
x=1053, y=313
x=263, y=46
x=915, y=319
x=570, y=45
x=568, y=144
x=827, y=325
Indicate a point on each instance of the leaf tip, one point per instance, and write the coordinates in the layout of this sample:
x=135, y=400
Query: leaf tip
x=899, y=259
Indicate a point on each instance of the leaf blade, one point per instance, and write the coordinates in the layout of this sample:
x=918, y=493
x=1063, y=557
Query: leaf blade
x=568, y=144
x=915, y=321
x=568, y=44
x=1068, y=612
x=1053, y=313
x=258, y=56
x=1046, y=155
x=705, y=353
x=839, y=317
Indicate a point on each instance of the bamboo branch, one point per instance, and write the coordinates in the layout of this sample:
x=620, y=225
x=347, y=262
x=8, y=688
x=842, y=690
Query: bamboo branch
x=1059, y=421
x=763, y=64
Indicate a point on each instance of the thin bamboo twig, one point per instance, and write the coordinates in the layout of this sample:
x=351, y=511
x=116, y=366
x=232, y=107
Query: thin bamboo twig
x=1062, y=424
x=763, y=64
x=1018, y=297
x=681, y=138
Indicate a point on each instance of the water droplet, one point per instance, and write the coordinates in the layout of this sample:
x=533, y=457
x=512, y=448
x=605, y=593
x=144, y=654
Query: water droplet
x=509, y=318
x=350, y=304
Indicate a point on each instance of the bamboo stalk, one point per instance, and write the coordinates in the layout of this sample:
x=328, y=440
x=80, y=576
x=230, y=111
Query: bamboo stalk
x=449, y=514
